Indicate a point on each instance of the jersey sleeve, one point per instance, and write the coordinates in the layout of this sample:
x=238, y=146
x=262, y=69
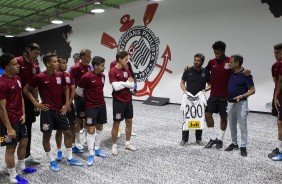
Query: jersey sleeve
x=83, y=82
x=3, y=92
x=71, y=80
x=112, y=76
x=184, y=75
x=249, y=81
x=272, y=71
x=35, y=81
x=208, y=67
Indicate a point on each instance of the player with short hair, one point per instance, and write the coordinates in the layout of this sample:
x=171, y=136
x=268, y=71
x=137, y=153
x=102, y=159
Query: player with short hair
x=52, y=86
x=12, y=119
x=196, y=78
x=91, y=88
x=121, y=80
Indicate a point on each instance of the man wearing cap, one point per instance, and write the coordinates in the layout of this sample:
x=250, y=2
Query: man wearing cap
x=28, y=69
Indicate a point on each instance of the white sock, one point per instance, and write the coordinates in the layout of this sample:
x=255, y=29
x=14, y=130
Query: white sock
x=90, y=143
x=50, y=156
x=85, y=133
x=12, y=173
x=127, y=142
x=221, y=135
x=98, y=139
x=59, y=149
x=114, y=145
x=77, y=138
x=73, y=145
x=21, y=165
x=213, y=135
x=69, y=153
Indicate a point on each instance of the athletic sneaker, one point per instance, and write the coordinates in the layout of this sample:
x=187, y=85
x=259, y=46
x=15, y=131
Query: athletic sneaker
x=219, y=144
x=244, y=152
x=19, y=180
x=278, y=157
x=182, y=143
x=231, y=147
x=74, y=162
x=114, y=151
x=54, y=166
x=31, y=160
x=100, y=153
x=274, y=153
x=90, y=160
x=78, y=148
x=130, y=147
x=133, y=134
x=200, y=143
x=211, y=143
x=27, y=170
x=59, y=156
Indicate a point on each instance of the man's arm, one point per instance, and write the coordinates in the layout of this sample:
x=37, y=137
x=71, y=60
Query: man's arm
x=275, y=80
x=183, y=87
x=28, y=92
x=4, y=116
x=250, y=92
x=208, y=87
x=277, y=92
x=66, y=106
x=23, y=109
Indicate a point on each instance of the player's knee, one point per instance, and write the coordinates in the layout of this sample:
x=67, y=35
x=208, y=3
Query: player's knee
x=91, y=130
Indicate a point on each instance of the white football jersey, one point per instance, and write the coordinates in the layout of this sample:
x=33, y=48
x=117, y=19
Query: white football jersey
x=193, y=108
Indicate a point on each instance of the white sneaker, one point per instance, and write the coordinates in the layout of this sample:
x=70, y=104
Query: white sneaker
x=31, y=160
x=130, y=147
x=78, y=145
x=133, y=134
x=114, y=151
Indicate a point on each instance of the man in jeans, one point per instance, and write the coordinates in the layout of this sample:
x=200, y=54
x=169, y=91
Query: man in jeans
x=240, y=87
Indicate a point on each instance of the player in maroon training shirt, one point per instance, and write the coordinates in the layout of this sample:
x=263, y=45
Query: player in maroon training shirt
x=121, y=81
x=77, y=71
x=91, y=88
x=28, y=69
x=71, y=112
x=12, y=121
x=275, y=70
x=51, y=86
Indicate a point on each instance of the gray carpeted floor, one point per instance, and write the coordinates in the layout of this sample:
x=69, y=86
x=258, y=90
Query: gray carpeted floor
x=159, y=159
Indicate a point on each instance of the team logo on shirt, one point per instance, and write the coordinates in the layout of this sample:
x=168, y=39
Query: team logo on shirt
x=34, y=71
x=7, y=139
x=19, y=83
x=143, y=48
x=45, y=127
x=68, y=80
x=89, y=121
x=203, y=75
x=125, y=74
x=59, y=80
x=226, y=66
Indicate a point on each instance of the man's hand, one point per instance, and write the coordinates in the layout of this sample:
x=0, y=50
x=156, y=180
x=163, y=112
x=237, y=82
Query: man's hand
x=238, y=98
x=22, y=119
x=65, y=109
x=247, y=72
x=276, y=104
x=43, y=107
x=11, y=133
x=130, y=79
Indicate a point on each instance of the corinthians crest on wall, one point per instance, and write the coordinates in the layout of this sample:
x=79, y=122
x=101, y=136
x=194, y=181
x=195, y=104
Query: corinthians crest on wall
x=142, y=45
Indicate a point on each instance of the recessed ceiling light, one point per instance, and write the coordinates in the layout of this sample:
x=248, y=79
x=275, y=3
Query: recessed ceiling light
x=57, y=22
x=9, y=36
x=98, y=10
x=29, y=29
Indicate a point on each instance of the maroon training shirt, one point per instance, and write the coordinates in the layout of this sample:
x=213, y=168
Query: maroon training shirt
x=116, y=75
x=220, y=73
x=114, y=63
x=93, y=86
x=51, y=89
x=78, y=70
x=11, y=90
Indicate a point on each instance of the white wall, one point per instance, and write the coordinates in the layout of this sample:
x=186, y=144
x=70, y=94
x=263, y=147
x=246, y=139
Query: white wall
x=187, y=27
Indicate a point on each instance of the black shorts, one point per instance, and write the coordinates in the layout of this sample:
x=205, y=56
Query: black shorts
x=79, y=107
x=53, y=120
x=122, y=110
x=21, y=133
x=71, y=115
x=29, y=112
x=96, y=116
x=217, y=105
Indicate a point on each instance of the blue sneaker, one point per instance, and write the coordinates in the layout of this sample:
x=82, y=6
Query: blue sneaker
x=19, y=180
x=27, y=170
x=77, y=150
x=74, y=162
x=278, y=157
x=100, y=153
x=54, y=166
x=59, y=156
x=90, y=160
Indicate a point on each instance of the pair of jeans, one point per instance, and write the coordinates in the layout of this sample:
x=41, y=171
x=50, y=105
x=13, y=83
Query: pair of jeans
x=237, y=114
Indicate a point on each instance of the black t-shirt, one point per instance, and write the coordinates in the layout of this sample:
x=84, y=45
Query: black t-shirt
x=196, y=80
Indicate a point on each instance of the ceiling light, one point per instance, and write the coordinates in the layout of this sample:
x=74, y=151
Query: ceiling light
x=29, y=29
x=98, y=8
x=57, y=21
